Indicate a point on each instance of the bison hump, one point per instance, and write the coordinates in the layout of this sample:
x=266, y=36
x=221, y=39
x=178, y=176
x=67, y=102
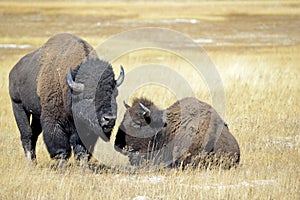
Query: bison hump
x=57, y=55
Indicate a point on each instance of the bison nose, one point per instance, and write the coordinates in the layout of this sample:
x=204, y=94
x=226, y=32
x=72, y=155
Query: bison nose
x=108, y=120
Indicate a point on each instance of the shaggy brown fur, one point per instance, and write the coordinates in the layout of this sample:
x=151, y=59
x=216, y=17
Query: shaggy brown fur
x=58, y=55
x=188, y=132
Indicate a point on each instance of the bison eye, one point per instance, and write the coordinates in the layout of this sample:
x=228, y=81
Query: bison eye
x=148, y=120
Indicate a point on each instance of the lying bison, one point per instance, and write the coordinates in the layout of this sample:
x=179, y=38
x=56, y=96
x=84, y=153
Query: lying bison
x=190, y=132
x=41, y=86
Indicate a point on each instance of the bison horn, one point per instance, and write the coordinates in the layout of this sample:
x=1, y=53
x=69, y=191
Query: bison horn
x=126, y=105
x=147, y=112
x=120, y=80
x=77, y=87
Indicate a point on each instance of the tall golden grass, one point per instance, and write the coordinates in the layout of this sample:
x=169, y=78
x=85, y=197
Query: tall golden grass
x=262, y=111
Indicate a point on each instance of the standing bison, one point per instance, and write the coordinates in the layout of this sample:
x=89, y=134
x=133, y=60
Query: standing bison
x=41, y=88
x=189, y=132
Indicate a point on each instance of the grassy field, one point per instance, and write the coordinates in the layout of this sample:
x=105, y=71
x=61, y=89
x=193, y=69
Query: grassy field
x=261, y=77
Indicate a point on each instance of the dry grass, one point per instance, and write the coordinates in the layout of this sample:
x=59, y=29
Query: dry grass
x=262, y=108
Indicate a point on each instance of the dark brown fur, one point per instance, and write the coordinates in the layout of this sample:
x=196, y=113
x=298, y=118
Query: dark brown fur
x=188, y=132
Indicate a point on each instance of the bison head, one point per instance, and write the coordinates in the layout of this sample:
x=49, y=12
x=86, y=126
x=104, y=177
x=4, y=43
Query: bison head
x=141, y=123
x=94, y=92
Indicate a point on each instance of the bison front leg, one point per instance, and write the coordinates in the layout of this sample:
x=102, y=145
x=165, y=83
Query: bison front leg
x=29, y=133
x=56, y=140
x=81, y=154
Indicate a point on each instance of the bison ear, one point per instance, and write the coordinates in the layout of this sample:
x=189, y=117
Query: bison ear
x=126, y=105
x=120, y=80
x=146, y=112
x=77, y=87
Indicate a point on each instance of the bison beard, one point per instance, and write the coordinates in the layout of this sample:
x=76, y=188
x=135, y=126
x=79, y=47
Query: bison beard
x=41, y=86
x=189, y=132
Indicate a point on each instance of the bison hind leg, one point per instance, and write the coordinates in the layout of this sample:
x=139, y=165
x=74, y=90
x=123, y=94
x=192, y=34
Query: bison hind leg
x=29, y=132
x=36, y=131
